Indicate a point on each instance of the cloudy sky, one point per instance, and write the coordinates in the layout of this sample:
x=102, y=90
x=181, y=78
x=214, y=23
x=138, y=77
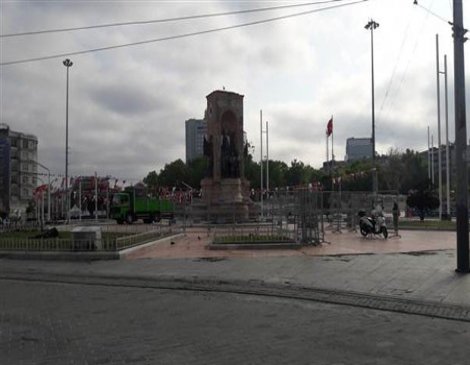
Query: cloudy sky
x=128, y=105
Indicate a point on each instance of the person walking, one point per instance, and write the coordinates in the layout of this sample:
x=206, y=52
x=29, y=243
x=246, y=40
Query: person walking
x=396, y=215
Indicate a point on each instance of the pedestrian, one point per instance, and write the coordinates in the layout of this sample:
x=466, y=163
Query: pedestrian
x=396, y=214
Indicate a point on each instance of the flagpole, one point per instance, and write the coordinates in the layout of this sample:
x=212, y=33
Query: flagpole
x=96, y=196
x=332, y=144
x=80, y=196
x=327, y=151
x=261, y=159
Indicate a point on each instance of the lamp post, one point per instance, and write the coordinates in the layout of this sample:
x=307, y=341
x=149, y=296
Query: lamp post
x=67, y=63
x=373, y=25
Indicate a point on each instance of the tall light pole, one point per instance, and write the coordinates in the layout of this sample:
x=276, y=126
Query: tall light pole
x=67, y=63
x=373, y=25
x=439, y=158
x=267, y=159
x=461, y=153
x=261, y=159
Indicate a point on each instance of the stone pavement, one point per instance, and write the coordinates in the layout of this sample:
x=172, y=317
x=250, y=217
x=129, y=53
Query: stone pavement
x=122, y=312
x=396, y=267
x=44, y=323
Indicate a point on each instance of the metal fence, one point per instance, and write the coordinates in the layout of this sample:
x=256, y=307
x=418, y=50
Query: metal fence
x=303, y=215
x=122, y=238
x=265, y=233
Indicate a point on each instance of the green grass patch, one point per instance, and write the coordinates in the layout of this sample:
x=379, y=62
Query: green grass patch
x=428, y=224
x=252, y=239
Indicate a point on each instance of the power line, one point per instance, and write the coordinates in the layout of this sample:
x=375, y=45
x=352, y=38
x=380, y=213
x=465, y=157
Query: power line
x=179, y=36
x=433, y=13
x=167, y=20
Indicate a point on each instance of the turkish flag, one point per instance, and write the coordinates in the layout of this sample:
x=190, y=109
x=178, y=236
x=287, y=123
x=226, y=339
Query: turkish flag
x=329, y=127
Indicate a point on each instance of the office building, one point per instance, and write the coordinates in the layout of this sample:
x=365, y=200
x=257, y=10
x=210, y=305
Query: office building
x=196, y=129
x=358, y=149
x=18, y=170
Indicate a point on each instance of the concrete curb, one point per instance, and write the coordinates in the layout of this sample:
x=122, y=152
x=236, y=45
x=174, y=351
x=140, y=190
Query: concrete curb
x=145, y=247
x=60, y=255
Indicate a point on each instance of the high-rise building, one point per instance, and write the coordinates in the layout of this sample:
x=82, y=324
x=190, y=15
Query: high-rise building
x=196, y=129
x=358, y=149
x=18, y=169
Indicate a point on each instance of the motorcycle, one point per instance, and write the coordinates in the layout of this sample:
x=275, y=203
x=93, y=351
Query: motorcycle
x=372, y=225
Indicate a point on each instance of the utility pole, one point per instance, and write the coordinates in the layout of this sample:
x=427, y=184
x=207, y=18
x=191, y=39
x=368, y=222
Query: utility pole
x=373, y=25
x=447, y=138
x=461, y=155
x=439, y=158
x=261, y=159
x=432, y=160
x=267, y=159
x=429, y=156
x=67, y=63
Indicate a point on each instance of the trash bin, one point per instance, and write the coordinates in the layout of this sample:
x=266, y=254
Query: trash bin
x=86, y=238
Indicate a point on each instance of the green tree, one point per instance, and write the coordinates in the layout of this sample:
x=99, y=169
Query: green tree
x=197, y=171
x=151, y=180
x=415, y=171
x=174, y=173
x=277, y=173
x=296, y=174
x=422, y=199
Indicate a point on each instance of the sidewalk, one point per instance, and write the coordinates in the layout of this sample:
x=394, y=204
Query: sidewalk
x=418, y=266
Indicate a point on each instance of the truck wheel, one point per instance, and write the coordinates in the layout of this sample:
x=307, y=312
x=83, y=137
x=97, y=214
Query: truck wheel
x=119, y=221
x=129, y=218
x=158, y=218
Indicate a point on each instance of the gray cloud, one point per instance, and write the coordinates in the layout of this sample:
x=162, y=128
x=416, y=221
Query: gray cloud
x=128, y=106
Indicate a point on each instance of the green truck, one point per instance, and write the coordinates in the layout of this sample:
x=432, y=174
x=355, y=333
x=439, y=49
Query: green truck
x=131, y=205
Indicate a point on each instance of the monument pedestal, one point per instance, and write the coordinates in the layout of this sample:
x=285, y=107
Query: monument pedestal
x=226, y=199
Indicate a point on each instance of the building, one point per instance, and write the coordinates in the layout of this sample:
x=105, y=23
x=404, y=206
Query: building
x=358, y=149
x=432, y=155
x=18, y=170
x=196, y=129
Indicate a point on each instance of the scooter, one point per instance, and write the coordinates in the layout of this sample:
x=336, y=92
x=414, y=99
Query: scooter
x=372, y=225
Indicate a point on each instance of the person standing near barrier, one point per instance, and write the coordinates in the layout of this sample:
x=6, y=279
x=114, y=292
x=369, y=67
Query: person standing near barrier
x=396, y=214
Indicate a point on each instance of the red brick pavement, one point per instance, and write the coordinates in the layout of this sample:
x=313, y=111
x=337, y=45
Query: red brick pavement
x=194, y=244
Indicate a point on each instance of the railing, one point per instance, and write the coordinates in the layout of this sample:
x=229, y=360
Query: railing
x=57, y=244
x=105, y=243
x=141, y=238
x=258, y=234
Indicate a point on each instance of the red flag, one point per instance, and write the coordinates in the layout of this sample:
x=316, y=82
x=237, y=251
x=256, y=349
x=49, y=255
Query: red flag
x=329, y=127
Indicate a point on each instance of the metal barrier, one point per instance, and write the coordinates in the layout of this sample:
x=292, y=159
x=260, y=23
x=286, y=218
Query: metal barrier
x=105, y=243
x=141, y=238
x=267, y=233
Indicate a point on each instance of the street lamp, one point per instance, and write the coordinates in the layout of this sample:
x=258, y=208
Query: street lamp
x=372, y=25
x=67, y=63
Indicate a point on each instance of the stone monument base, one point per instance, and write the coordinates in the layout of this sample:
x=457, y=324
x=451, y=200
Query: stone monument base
x=226, y=200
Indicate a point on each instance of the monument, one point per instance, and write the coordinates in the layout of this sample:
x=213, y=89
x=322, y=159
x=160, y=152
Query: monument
x=225, y=191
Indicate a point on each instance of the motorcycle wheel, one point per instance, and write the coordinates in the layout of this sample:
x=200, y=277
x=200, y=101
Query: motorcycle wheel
x=384, y=232
x=363, y=231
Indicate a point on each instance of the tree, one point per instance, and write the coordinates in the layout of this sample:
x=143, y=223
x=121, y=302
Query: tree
x=415, y=172
x=422, y=199
x=197, y=170
x=151, y=180
x=296, y=174
x=277, y=173
x=173, y=173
